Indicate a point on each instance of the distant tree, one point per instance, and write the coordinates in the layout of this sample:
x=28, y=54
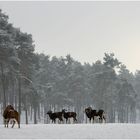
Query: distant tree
x=110, y=61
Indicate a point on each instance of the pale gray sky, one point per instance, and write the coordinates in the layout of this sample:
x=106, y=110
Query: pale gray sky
x=86, y=30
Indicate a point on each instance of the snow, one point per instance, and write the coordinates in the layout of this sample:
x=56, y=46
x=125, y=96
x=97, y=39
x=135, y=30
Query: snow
x=73, y=131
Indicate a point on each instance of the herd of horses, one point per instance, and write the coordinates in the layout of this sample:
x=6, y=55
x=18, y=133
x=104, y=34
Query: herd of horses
x=90, y=113
x=10, y=114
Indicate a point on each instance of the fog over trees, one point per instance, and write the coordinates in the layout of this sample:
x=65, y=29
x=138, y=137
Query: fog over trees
x=35, y=83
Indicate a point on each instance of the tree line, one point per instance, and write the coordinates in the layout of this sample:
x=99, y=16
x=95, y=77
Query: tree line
x=35, y=83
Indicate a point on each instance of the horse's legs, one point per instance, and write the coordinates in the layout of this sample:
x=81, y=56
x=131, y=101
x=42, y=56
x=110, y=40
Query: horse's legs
x=90, y=120
x=66, y=120
x=19, y=125
x=101, y=119
x=104, y=118
x=5, y=121
x=8, y=122
x=69, y=120
x=18, y=121
x=93, y=119
x=74, y=119
x=13, y=123
x=61, y=120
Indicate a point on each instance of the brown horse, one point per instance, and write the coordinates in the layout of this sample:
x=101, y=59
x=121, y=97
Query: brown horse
x=11, y=114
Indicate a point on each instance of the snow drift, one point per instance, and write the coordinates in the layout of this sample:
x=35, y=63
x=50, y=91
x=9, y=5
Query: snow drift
x=73, y=131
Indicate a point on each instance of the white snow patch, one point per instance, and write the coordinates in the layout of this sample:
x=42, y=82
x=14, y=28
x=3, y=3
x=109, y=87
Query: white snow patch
x=71, y=131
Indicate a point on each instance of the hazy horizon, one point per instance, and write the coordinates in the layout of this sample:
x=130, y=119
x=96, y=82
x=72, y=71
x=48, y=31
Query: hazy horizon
x=86, y=30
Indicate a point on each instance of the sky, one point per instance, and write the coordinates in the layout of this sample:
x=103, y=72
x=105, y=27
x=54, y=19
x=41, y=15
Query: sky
x=86, y=30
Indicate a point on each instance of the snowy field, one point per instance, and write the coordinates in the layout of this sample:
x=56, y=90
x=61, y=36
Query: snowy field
x=73, y=131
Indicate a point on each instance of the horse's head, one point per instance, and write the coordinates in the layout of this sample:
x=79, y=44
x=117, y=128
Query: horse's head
x=49, y=112
x=9, y=107
x=88, y=110
x=64, y=110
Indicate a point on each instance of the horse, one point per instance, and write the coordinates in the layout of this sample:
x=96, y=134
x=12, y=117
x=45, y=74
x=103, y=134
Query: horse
x=67, y=115
x=101, y=115
x=91, y=114
x=55, y=115
x=11, y=114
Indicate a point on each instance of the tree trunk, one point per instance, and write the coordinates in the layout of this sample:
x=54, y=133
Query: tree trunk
x=39, y=111
x=31, y=113
x=35, y=112
x=45, y=111
x=15, y=96
x=3, y=86
x=26, y=113
x=19, y=95
x=12, y=94
x=26, y=116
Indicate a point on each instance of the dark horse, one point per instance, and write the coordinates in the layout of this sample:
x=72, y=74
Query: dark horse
x=91, y=114
x=11, y=114
x=55, y=115
x=67, y=115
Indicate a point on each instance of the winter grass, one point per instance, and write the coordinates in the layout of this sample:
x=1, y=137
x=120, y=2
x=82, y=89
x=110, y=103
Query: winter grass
x=72, y=131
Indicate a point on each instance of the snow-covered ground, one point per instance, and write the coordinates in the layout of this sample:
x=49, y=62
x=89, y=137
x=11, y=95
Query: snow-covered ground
x=73, y=131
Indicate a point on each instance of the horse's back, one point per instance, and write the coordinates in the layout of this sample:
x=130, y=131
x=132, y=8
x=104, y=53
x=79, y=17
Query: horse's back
x=9, y=107
x=12, y=114
x=101, y=111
